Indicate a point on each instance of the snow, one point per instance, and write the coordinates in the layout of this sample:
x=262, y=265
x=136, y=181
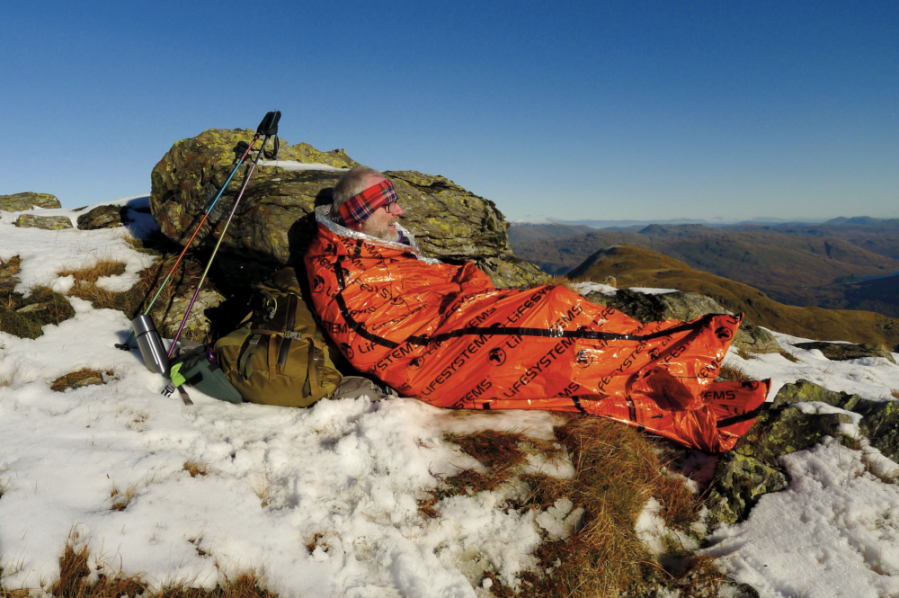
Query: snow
x=324, y=501
x=833, y=532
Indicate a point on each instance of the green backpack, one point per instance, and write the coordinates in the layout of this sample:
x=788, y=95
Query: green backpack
x=278, y=355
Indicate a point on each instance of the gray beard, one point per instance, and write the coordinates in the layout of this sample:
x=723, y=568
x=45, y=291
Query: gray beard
x=373, y=230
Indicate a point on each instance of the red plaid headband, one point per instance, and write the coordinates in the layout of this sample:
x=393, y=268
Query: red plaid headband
x=358, y=208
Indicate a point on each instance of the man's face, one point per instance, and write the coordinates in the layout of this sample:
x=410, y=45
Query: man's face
x=382, y=224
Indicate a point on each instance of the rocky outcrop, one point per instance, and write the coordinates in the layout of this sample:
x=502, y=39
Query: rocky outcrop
x=19, y=202
x=273, y=224
x=104, y=217
x=44, y=222
x=683, y=307
x=752, y=469
x=846, y=351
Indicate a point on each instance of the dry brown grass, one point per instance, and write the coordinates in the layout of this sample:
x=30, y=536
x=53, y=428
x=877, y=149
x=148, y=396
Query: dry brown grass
x=502, y=453
x=494, y=449
x=135, y=300
x=562, y=281
x=79, y=378
x=75, y=582
x=195, y=468
x=91, y=274
x=617, y=471
x=744, y=354
x=788, y=356
x=262, y=489
x=121, y=500
x=895, y=394
x=733, y=373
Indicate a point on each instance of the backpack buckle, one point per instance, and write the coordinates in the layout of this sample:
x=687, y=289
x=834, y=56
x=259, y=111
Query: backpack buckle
x=294, y=336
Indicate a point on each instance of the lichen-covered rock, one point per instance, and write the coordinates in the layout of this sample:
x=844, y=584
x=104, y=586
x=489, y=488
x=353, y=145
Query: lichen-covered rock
x=273, y=223
x=168, y=318
x=44, y=222
x=753, y=469
x=880, y=419
x=104, y=217
x=19, y=202
x=683, y=306
x=740, y=481
x=845, y=351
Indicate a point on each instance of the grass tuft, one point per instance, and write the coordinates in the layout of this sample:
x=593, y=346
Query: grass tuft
x=733, y=373
x=494, y=449
x=617, y=471
x=262, y=489
x=195, y=468
x=135, y=300
x=75, y=581
x=93, y=273
x=788, y=356
x=895, y=394
x=562, y=281
x=744, y=354
x=79, y=378
x=121, y=500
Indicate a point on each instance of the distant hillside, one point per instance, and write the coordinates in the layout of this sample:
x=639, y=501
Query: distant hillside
x=797, y=264
x=524, y=232
x=635, y=267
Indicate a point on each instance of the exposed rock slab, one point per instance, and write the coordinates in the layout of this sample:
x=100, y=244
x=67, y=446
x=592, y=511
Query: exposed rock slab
x=846, y=351
x=19, y=202
x=44, y=222
x=273, y=223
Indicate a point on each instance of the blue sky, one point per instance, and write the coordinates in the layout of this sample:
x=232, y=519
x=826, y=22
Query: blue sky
x=603, y=110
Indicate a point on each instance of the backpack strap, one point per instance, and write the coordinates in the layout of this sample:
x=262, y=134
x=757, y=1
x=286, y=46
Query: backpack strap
x=272, y=357
x=243, y=364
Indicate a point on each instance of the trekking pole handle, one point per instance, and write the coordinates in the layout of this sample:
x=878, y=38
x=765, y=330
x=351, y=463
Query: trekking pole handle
x=269, y=124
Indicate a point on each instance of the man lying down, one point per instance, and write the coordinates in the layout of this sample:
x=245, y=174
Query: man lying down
x=445, y=335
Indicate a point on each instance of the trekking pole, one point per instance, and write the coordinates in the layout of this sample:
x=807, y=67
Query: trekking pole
x=271, y=128
x=260, y=130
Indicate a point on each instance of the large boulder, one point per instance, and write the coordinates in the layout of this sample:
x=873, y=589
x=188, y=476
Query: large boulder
x=19, y=202
x=104, y=217
x=273, y=224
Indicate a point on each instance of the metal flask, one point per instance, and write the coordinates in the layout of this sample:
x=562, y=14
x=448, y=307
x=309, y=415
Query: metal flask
x=151, y=347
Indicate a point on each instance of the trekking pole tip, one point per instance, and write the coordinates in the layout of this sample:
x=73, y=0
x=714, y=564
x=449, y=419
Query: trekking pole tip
x=123, y=346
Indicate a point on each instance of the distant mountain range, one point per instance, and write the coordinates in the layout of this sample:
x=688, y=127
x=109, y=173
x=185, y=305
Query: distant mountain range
x=630, y=224
x=634, y=267
x=839, y=263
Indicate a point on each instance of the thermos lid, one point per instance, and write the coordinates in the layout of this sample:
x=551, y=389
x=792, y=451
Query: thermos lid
x=143, y=324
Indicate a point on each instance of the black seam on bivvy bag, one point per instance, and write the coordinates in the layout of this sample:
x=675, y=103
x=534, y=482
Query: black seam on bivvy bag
x=357, y=327
x=581, y=333
x=723, y=423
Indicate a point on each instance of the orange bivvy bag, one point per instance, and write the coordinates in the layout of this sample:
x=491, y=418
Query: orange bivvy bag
x=444, y=334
